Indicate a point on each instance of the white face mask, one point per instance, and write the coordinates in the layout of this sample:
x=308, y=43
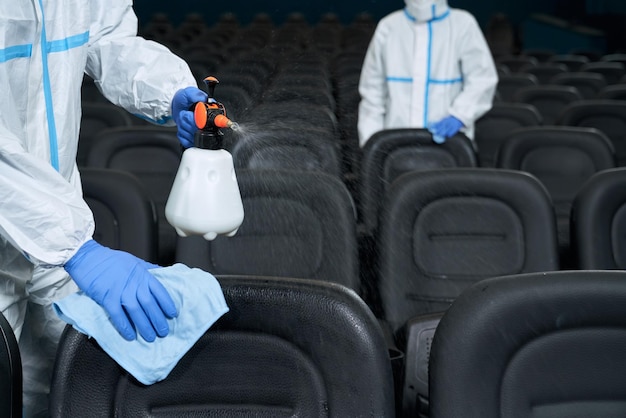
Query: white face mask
x=422, y=10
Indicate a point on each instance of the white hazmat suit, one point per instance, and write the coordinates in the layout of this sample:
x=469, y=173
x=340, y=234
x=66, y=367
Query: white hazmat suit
x=425, y=63
x=46, y=47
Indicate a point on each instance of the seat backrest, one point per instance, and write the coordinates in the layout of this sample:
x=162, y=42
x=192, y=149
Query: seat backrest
x=301, y=93
x=613, y=92
x=285, y=115
x=124, y=214
x=572, y=61
x=516, y=63
x=508, y=84
x=612, y=71
x=588, y=84
x=96, y=117
x=549, y=100
x=393, y=152
x=609, y=116
x=153, y=155
x=236, y=100
x=442, y=230
x=250, y=84
x=544, y=71
x=497, y=123
x=615, y=57
x=296, y=224
x=541, y=345
x=542, y=55
x=290, y=148
x=563, y=158
x=10, y=372
x=287, y=347
x=598, y=221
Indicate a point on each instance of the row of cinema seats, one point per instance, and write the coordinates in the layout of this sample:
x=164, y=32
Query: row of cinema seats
x=438, y=232
x=564, y=89
x=546, y=344
x=561, y=157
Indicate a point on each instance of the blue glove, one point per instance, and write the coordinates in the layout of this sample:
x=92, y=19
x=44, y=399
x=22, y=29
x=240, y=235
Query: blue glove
x=122, y=285
x=445, y=128
x=183, y=100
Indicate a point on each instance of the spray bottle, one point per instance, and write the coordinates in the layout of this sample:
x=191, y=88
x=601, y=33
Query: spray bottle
x=205, y=198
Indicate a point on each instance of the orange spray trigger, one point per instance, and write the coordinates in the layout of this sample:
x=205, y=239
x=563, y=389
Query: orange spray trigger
x=200, y=115
x=222, y=121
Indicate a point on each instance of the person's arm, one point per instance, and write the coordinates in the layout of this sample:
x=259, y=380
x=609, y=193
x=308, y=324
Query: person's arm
x=372, y=88
x=139, y=75
x=42, y=215
x=46, y=219
x=480, y=77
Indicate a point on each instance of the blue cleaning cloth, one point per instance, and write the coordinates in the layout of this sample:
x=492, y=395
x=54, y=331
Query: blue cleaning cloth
x=200, y=302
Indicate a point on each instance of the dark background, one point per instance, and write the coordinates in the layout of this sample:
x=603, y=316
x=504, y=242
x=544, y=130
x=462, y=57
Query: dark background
x=576, y=16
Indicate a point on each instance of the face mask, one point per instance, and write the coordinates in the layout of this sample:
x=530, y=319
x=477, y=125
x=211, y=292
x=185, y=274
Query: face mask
x=422, y=10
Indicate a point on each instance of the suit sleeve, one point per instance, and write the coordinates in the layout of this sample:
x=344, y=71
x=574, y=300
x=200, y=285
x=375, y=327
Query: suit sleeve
x=139, y=75
x=44, y=216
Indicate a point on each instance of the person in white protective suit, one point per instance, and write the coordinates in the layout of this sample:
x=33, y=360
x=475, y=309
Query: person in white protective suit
x=427, y=66
x=46, y=245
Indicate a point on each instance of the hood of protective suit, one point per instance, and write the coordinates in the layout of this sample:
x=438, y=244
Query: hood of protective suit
x=425, y=10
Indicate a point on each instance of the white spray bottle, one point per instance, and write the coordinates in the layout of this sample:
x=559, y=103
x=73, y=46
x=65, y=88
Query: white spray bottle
x=205, y=198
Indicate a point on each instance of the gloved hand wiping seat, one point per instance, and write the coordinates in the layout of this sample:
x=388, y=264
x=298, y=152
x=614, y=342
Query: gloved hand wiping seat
x=200, y=299
x=445, y=128
x=122, y=285
x=181, y=103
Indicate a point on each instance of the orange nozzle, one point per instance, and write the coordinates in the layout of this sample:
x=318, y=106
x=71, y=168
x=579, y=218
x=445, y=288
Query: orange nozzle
x=200, y=115
x=222, y=121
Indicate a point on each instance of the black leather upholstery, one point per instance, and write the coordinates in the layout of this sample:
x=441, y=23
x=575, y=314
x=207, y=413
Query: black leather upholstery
x=124, y=214
x=286, y=348
x=563, y=158
x=609, y=116
x=508, y=84
x=549, y=100
x=392, y=152
x=544, y=71
x=587, y=84
x=10, y=372
x=599, y=221
x=419, y=333
x=612, y=71
x=288, y=148
x=153, y=155
x=97, y=116
x=442, y=230
x=540, y=345
x=296, y=224
x=495, y=125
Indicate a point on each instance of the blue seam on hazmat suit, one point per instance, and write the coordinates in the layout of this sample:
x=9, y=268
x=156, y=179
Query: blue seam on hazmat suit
x=428, y=68
x=68, y=43
x=47, y=92
x=400, y=79
x=429, y=80
x=450, y=81
x=17, y=51
x=46, y=48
